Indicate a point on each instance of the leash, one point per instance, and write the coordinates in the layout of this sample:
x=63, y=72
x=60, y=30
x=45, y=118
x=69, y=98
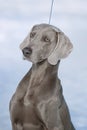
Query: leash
x=51, y=9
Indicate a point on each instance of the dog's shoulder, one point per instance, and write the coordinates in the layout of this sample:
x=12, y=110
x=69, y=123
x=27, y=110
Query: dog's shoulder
x=22, y=87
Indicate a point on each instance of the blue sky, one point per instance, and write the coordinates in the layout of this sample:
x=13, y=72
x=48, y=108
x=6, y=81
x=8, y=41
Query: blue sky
x=16, y=19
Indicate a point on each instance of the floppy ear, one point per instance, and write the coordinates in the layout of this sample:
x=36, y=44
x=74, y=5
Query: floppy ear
x=62, y=49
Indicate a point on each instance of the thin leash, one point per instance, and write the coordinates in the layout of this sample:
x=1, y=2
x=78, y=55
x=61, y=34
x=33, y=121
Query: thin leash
x=51, y=9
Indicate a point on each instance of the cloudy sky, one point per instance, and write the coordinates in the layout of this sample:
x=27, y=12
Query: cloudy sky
x=16, y=19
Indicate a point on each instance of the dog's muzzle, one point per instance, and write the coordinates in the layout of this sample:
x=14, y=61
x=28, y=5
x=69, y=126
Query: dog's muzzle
x=27, y=51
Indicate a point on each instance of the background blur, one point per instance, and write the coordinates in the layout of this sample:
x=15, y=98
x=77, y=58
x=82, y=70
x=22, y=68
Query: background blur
x=16, y=19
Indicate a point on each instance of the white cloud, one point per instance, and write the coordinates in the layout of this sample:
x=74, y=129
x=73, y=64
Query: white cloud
x=70, y=6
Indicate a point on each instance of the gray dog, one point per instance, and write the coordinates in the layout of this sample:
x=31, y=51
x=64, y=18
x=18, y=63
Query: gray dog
x=38, y=103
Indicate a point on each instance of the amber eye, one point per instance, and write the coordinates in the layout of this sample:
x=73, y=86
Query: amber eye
x=45, y=39
x=32, y=34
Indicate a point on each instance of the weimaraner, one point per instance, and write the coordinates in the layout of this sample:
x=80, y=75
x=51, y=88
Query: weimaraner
x=38, y=103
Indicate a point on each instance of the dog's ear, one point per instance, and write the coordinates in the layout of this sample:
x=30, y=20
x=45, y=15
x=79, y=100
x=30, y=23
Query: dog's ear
x=62, y=49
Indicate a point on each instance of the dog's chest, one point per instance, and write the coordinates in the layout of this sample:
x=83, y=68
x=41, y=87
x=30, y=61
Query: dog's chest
x=38, y=89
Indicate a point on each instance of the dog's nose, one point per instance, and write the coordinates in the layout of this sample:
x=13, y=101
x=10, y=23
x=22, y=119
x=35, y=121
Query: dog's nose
x=27, y=51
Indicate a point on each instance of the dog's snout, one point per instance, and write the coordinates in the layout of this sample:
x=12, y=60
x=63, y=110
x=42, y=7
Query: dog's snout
x=27, y=51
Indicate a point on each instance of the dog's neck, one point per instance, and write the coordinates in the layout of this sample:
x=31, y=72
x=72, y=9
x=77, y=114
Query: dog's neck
x=45, y=67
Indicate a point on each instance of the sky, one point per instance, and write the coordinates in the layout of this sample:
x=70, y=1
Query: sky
x=16, y=19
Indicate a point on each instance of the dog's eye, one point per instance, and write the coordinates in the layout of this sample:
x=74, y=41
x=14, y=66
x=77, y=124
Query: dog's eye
x=32, y=34
x=45, y=39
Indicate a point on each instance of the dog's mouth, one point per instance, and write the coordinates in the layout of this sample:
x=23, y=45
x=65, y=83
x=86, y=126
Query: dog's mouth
x=29, y=54
x=24, y=58
x=34, y=60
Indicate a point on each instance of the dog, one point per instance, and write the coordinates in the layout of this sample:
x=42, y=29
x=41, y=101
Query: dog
x=38, y=103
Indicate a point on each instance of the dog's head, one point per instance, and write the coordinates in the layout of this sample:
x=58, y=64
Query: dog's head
x=46, y=42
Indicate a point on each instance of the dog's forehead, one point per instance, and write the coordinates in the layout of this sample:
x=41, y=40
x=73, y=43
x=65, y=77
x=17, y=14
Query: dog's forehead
x=40, y=28
x=48, y=27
